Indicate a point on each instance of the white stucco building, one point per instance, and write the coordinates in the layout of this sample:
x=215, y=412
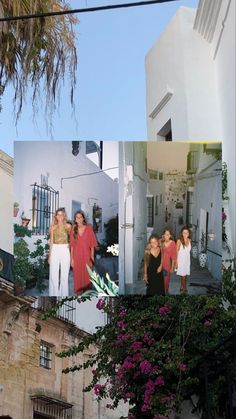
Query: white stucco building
x=204, y=191
x=190, y=81
x=132, y=211
x=48, y=176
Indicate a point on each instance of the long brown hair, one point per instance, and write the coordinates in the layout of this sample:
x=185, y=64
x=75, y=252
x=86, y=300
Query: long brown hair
x=181, y=238
x=171, y=235
x=75, y=224
x=147, y=250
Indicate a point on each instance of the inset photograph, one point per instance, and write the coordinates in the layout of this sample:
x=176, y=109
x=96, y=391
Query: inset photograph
x=170, y=215
x=65, y=217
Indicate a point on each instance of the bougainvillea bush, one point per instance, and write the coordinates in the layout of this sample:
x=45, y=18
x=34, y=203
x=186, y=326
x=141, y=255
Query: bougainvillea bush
x=151, y=353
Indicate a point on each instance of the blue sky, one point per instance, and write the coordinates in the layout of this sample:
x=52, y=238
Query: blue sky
x=110, y=96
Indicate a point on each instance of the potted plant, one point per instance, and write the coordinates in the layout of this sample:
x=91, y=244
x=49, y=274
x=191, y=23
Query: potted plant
x=21, y=231
x=15, y=209
x=203, y=254
x=24, y=220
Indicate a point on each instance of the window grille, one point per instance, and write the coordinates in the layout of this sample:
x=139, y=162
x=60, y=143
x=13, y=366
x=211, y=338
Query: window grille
x=150, y=211
x=45, y=407
x=45, y=360
x=45, y=202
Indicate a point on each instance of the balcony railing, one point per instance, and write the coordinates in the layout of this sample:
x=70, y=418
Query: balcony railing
x=65, y=313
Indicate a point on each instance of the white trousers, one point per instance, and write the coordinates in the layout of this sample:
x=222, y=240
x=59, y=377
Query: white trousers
x=59, y=270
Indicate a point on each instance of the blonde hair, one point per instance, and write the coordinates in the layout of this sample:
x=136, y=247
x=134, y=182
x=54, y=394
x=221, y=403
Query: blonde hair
x=147, y=250
x=54, y=221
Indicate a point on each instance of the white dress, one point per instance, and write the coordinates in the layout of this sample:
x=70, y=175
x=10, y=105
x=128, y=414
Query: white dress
x=183, y=260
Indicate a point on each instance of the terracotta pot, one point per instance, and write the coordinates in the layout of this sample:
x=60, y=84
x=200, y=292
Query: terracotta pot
x=15, y=211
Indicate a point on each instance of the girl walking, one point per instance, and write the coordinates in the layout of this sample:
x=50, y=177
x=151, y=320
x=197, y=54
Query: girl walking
x=169, y=257
x=153, y=267
x=59, y=255
x=183, y=257
x=82, y=242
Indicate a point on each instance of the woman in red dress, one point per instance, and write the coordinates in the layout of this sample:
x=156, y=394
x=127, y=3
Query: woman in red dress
x=82, y=242
x=169, y=252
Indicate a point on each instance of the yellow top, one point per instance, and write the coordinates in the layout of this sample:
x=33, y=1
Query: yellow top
x=60, y=234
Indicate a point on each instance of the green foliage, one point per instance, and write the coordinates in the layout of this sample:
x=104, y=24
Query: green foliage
x=101, y=287
x=40, y=267
x=152, y=352
x=22, y=267
x=21, y=231
x=224, y=181
x=28, y=273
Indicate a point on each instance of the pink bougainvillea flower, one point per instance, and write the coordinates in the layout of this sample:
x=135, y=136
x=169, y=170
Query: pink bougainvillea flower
x=98, y=389
x=182, y=366
x=207, y=323
x=137, y=356
x=159, y=381
x=100, y=304
x=147, y=339
x=224, y=216
x=145, y=407
x=123, y=337
x=121, y=323
x=122, y=312
x=136, y=346
x=146, y=367
x=131, y=416
x=164, y=310
x=127, y=365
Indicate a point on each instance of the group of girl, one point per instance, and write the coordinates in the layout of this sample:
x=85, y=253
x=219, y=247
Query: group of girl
x=70, y=246
x=162, y=257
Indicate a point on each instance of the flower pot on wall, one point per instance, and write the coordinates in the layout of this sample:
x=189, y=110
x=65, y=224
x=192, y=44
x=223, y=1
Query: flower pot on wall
x=15, y=209
x=202, y=259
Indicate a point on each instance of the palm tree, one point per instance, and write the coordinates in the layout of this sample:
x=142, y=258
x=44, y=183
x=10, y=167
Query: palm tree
x=37, y=53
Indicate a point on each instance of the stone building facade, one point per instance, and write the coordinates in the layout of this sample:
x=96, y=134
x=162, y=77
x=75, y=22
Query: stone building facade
x=32, y=385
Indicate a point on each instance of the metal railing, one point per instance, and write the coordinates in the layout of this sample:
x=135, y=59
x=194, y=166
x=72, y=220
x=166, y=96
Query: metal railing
x=67, y=312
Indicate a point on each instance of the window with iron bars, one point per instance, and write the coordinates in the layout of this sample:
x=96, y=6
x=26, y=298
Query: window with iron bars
x=45, y=360
x=150, y=211
x=45, y=202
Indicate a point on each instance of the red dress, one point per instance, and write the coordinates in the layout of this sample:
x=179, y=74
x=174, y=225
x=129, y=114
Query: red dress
x=82, y=255
x=169, y=254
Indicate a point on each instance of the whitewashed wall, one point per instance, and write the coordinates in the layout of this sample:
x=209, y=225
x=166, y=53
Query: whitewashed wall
x=179, y=62
x=6, y=202
x=194, y=60
x=207, y=196
x=132, y=211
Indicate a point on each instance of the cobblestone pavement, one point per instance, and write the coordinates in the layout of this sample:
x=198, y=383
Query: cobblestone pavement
x=200, y=282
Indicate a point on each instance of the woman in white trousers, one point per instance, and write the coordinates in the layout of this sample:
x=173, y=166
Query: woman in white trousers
x=59, y=255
